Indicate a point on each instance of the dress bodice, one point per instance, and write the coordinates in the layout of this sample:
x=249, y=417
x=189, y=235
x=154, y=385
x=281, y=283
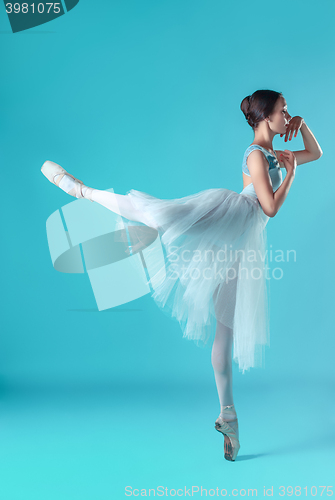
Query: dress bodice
x=274, y=169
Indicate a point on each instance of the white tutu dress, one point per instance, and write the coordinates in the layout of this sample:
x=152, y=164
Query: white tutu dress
x=215, y=263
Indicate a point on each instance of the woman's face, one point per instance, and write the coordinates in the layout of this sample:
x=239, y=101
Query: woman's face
x=280, y=117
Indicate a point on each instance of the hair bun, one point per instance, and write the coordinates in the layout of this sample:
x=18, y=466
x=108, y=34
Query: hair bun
x=258, y=105
x=249, y=120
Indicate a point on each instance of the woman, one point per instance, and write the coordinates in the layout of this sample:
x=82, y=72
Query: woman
x=210, y=284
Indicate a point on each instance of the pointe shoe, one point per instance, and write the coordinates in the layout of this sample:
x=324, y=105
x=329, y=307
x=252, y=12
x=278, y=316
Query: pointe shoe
x=231, y=437
x=51, y=169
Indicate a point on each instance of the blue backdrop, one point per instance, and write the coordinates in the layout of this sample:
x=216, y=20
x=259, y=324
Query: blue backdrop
x=146, y=95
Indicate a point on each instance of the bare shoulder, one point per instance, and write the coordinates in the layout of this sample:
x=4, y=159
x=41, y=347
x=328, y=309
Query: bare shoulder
x=257, y=160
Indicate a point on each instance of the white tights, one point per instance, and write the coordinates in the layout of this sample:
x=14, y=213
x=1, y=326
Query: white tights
x=120, y=204
x=222, y=364
x=117, y=203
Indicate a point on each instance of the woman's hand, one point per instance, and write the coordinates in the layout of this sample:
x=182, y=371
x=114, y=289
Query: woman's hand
x=294, y=125
x=289, y=160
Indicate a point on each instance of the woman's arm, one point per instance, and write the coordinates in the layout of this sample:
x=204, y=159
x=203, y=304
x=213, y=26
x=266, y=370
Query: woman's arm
x=279, y=196
x=260, y=177
x=312, y=149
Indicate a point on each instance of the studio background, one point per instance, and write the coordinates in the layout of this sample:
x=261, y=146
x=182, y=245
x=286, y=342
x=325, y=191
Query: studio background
x=146, y=96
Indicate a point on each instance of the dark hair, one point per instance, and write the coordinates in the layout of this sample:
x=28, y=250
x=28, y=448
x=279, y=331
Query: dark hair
x=257, y=106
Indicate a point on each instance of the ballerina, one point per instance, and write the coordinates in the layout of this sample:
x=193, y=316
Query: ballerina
x=222, y=298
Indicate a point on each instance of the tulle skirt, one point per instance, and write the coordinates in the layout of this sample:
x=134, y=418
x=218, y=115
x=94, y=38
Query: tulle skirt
x=214, y=266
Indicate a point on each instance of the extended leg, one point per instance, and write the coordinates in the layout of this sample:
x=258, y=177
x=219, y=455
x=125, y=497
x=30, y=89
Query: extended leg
x=120, y=204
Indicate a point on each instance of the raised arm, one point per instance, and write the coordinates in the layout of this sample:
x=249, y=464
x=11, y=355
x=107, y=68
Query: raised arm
x=260, y=177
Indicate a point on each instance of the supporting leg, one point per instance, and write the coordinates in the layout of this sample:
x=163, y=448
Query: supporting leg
x=227, y=422
x=222, y=363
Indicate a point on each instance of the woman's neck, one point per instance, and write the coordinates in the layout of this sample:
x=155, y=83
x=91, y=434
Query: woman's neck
x=264, y=138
